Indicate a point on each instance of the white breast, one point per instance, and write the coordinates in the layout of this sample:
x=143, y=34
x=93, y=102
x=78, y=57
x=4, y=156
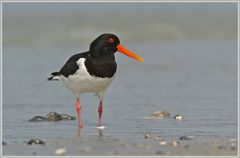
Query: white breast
x=82, y=81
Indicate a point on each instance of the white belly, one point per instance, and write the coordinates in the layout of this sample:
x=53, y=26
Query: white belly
x=82, y=81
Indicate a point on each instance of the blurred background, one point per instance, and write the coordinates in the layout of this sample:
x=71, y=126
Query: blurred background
x=190, y=68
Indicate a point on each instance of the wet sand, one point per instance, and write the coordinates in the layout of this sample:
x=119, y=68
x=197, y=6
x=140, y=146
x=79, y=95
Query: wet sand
x=103, y=146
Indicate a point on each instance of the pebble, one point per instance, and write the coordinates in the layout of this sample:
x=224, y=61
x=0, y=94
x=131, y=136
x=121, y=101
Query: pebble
x=186, y=137
x=4, y=143
x=163, y=143
x=147, y=136
x=60, y=151
x=160, y=114
x=176, y=143
x=178, y=117
x=35, y=142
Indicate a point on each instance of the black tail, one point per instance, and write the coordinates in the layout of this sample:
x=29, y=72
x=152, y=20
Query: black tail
x=53, y=75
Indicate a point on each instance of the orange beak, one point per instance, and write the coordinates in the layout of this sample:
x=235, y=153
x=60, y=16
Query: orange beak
x=129, y=53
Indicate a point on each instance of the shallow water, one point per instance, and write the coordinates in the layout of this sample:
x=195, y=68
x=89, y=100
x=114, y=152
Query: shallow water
x=193, y=77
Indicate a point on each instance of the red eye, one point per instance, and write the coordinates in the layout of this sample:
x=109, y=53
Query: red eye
x=111, y=40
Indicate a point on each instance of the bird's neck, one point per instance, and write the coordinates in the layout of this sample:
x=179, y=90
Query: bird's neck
x=104, y=66
x=103, y=56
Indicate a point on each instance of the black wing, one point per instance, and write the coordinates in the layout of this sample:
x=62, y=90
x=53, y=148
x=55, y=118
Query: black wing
x=70, y=66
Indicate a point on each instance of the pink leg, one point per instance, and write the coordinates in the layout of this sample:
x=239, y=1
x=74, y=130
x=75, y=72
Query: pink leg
x=100, y=110
x=78, y=108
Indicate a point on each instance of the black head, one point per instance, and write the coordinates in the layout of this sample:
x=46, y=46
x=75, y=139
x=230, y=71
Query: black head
x=104, y=45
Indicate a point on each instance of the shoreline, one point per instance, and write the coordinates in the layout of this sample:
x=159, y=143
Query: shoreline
x=105, y=146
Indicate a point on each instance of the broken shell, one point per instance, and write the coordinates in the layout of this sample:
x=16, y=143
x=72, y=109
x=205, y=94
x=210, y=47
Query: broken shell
x=53, y=116
x=38, y=119
x=160, y=114
x=178, y=117
x=176, y=143
x=163, y=143
x=67, y=117
x=147, y=136
x=35, y=142
x=60, y=151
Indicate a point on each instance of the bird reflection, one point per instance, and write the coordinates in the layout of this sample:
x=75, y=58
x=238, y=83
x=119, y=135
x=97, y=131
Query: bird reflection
x=78, y=135
x=100, y=134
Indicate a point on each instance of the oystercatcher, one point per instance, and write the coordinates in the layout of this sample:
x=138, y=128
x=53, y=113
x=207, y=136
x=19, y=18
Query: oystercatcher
x=92, y=71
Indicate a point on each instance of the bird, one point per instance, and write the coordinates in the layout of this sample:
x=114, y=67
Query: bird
x=92, y=71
